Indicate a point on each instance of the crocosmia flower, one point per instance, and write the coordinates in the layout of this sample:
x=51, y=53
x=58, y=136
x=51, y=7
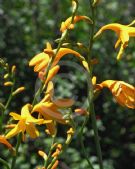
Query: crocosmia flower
x=124, y=32
x=26, y=123
x=49, y=109
x=68, y=25
x=123, y=93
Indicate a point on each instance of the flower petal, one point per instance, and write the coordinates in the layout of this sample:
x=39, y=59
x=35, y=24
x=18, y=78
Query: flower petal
x=15, y=116
x=49, y=92
x=50, y=110
x=64, y=102
x=52, y=73
x=32, y=130
x=64, y=51
x=13, y=132
x=124, y=37
x=5, y=142
x=41, y=66
x=38, y=58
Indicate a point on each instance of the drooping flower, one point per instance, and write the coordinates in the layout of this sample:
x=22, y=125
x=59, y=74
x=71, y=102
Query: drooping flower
x=68, y=25
x=26, y=123
x=124, y=32
x=123, y=93
x=41, y=61
x=4, y=141
x=50, y=109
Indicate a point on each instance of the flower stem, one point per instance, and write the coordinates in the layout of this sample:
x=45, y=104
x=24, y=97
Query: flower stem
x=82, y=144
x=91, y=91
x=50, y=151
x=17, y=147
x=7, y=104
x=4, y=163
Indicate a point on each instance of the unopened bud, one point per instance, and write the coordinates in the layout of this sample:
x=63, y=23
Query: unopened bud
x=8, y=83
x=55, y=165
x=6, y=76
x=81, y=111
x=42, y=154
x=10, y=126
x=70, y=133
x=74, y=5
x=13, y=69
x=19, y=90
x=80, y=44
x=96, y=2
x=94, y=79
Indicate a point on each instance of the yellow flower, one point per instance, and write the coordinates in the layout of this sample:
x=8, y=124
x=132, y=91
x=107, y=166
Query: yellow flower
x=26, y=123
x=52, y=72
x=124, y=93
x=49, y=108
x=68, y=25
x=123, y=32
x=4, y=141
x=41, y=60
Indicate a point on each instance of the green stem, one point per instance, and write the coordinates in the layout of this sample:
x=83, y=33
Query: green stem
x=50, y=151
x=17, y=147
x=82, y=144
x=91, y=92
x=4, y=163
x=7, y=104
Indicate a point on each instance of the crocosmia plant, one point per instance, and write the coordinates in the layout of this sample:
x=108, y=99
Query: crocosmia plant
x=47, y=116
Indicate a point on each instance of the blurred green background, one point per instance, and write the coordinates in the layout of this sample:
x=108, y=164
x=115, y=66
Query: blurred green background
x=25, y=27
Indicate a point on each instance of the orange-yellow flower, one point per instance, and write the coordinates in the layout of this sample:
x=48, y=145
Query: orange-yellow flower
x=124, y=93
x=52, y=72
x=50, y=109
x=4, y=141
x=123, y=32
x=41, y=60
x=68, y=25
x=26, y=123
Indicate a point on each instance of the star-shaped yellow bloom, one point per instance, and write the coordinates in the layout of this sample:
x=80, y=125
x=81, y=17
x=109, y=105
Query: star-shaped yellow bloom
x=123, y=93
x=26, y=123
x=49, y=108
x=68, y=25
x=123, y=32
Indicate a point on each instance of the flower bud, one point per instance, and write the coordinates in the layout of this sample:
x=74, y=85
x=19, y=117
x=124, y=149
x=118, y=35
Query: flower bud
x=42, y=154
x=13, y=70
x=6, y=76
x=96, y=2
x=19, y=90
x=9, y=83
